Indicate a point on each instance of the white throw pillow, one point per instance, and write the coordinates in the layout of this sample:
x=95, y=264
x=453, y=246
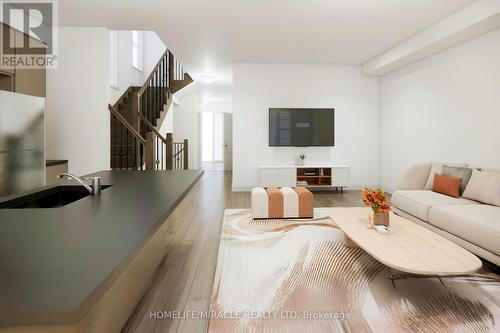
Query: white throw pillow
x=438, y=168
x=484, y=187
x=490, y=170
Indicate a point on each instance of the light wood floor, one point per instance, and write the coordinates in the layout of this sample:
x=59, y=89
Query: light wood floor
x=184, y=280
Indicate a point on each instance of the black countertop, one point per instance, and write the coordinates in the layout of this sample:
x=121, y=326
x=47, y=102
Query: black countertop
x=54, y=262
x=55, y=162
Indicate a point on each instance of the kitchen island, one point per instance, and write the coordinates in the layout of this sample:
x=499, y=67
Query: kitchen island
x=83, y=267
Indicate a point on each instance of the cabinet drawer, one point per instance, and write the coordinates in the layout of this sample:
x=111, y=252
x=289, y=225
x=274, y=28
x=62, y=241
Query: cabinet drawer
x=268, y=177
x=341, y=177
x=287, y=177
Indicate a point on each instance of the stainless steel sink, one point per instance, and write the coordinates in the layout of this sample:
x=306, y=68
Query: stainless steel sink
x=53, y=197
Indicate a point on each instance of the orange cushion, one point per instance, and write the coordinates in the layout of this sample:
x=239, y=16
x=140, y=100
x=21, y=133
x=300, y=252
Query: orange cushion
x=447, y=185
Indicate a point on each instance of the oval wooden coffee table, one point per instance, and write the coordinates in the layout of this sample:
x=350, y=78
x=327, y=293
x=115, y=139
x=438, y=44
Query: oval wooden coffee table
x=410, y=248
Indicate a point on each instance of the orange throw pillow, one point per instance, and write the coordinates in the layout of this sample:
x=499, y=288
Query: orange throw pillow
x=447, y=185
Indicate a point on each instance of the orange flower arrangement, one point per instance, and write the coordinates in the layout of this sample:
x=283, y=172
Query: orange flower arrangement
x=375, y=199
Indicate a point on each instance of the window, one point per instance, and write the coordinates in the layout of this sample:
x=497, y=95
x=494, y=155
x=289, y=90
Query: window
x=137, y=50
x=113, y=58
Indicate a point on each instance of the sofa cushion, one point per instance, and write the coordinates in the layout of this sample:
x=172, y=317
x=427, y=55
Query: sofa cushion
x=478, y=224
x=484, y=187
x=418, y=202
x=438, y=168
x=485, y=169
x=463, y=173
x=447, y=185
x=414, y=177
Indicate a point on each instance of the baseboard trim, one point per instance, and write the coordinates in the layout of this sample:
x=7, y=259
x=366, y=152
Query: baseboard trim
x=241, y=189
x=347, y=188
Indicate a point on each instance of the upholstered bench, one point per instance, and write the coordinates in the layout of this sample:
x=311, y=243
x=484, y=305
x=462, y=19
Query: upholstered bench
x=286, y=202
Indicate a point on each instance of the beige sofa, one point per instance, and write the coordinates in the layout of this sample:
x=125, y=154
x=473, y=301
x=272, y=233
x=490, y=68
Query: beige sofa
x=471, y=224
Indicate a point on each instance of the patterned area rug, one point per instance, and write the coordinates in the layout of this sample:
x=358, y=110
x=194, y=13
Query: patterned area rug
x=297, y=276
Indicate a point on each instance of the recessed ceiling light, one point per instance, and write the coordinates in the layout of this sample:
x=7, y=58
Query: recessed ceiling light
x=207, y=79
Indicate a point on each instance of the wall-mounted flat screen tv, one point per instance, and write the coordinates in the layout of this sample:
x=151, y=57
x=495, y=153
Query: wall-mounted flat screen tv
x=301, y=127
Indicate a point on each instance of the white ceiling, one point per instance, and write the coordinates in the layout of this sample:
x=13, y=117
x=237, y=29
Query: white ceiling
x=208, y=36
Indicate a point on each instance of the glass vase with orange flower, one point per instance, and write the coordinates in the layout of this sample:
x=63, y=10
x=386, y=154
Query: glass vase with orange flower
x=377, y=201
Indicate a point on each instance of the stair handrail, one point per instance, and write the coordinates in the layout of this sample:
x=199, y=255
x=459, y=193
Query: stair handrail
x=125, y=123
x=152, y=128
x=155, y=68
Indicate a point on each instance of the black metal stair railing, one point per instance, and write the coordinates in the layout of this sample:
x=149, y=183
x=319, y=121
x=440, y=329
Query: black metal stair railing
x=178, y=158
x=152, y=96
x=156, y=146
x=135, y=140
x=127, y=148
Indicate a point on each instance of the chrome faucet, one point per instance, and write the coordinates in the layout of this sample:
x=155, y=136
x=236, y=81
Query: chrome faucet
x=95, y=189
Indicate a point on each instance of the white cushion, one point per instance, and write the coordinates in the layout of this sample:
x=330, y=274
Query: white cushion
x=480, y=168
x=438, y=168
x=290, y=202
x=418, y=202
x=478, y=224
x=414, y=178
x=260, y=203
x=484, y=187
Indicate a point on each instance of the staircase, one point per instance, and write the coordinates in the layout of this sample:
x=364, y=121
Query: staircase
x=137, y=116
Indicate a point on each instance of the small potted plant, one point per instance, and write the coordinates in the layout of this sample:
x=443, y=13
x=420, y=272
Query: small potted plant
x=377, y=201
x=300, y=160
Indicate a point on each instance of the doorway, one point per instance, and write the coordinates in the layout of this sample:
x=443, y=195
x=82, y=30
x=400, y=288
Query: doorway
x=216, y=140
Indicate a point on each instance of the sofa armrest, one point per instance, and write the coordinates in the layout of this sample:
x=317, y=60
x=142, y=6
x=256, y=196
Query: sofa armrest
x=414, y=178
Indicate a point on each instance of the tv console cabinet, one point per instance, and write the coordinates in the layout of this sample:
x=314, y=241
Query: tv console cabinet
x=317, y=176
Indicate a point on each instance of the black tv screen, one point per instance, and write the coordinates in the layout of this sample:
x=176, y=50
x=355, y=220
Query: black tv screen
x=301, y=127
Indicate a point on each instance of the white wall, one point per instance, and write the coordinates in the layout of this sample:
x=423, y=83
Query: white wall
x=257, y=87
x=168, y=123
x=153, y=50
x=128, y=75
x=186, y=124
x=77, y=120
x=443, y=108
